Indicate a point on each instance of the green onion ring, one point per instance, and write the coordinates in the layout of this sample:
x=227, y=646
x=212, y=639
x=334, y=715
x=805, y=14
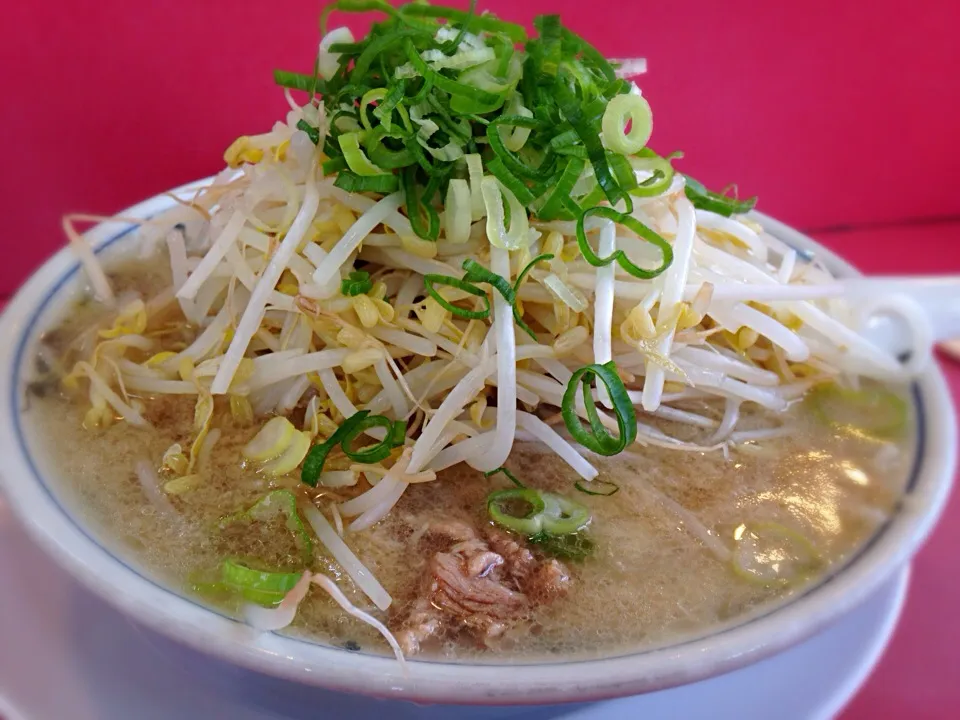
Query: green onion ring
x=266, y=508
x=351, y=182
x=528, y=268
x=442, y=82
x=487, y=23
x=529, y=524
x=513, y=478
x=609, y=488
x=510, y=181
x=562, y=516
x=373, y=453
x=598, y=439
x=297, y=81
x=312, y=132
x=263, y=588
x=510, y=161
x=313, y=463
x=356, y=283
x=704, y=199
x=554, y=205
x=619, y=255
x=423, y=217
x=431, y=279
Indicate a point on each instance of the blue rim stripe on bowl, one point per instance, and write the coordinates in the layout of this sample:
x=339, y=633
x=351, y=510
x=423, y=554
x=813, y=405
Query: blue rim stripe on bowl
x=17, y=393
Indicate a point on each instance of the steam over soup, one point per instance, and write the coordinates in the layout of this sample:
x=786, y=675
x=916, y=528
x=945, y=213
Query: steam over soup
x=450, y=363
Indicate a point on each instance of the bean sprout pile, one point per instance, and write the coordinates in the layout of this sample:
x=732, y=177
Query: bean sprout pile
x=453, y=242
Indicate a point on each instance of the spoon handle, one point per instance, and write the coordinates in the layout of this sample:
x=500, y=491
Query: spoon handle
x=936, y=297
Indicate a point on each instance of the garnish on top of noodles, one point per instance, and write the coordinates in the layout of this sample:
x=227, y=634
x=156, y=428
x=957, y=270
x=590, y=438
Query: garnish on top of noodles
x=459, y=237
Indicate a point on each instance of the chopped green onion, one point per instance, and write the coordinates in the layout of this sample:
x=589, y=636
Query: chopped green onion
x=335, y=165
x=598, y=439
x=391, y=101
x=505, y=471
x=478, y=273
x=570, y=106
x=404, y=108
x=509, y=160
x=351, y=182
x=661, y=169
x=597, y=487
x=486, y=23
x=385, y=157
x=518, y=235
x=266, y=508
x=510, y=181
x=356, y=160
x=529, y=516
x=516, y=289
x=354, y=6
x=258, y=586
x=345, y=435
x=432, y=279
x=589, y=53
x=378, y=451
x=423, y=217
x=312, y=132
x=313, y=463
x=575, y=546
x=623, y=171
x=621, y=110
x=480, y=100
x=563, y=516
x=771, y=554
x=715, y=202
x=554, y=204
x=457, y=211
x=379, y=46
x=871, y=410
x=549, y=28
x=398, y=433
x=357, y=283
x=369, y=97
x=619, y=255
x=297, y=81
x=465, y=23
x=528, y=268
x=529, y=511
x=475, y=272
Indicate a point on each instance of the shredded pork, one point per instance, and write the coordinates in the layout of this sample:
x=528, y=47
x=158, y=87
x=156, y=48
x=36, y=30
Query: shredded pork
x=478, y=585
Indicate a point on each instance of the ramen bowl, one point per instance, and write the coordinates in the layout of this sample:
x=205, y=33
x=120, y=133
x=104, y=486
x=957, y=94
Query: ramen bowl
x=30, y=484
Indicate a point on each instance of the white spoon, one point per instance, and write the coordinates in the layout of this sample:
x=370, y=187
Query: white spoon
x=907, y=315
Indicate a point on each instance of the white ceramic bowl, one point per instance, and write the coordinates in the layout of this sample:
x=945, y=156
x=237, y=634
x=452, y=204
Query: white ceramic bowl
x=31, y=489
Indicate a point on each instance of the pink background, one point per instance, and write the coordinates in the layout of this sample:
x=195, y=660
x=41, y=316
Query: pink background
x=842, y=116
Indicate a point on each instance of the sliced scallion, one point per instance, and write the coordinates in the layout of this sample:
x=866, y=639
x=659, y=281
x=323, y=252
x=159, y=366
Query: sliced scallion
x=704, y=199
x=356, y=283
x=510, y=476
x=604, y=488
x=258, y=586
x=378, y=451
x=432, y=279
x=598, y=439
x=344, y=437
x=619, y=256
x=269, y=506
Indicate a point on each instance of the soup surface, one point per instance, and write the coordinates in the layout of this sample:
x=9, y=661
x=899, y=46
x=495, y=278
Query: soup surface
x=689, y=542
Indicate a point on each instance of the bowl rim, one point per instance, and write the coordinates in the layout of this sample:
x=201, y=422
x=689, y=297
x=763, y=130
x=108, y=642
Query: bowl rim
x=82, y=556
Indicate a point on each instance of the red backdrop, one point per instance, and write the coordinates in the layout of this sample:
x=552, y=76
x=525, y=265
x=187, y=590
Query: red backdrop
x=836, y=113
x=833, y=112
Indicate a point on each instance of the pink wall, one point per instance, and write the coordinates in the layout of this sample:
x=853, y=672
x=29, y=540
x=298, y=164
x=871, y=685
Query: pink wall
x=833, y=112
